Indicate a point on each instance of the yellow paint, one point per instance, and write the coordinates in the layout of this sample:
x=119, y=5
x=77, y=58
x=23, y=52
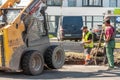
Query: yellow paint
x=6, y=47
x=11, y=34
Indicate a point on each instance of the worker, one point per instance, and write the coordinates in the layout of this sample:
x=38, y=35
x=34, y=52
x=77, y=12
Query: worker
x=109, y=42
x=87, y=40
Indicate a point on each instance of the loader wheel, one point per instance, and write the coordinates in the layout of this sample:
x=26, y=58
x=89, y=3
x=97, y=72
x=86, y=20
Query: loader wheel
x=32, y=63
x=55, y=57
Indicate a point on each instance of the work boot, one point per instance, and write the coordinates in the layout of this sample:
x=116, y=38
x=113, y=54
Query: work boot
x=112, y=68
x=109, y=69
x=87, y=62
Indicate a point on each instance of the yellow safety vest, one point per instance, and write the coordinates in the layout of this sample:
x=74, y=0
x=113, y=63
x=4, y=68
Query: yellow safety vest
x=85, y=38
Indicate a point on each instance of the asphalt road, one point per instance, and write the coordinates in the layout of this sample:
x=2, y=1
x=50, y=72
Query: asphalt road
x=68, y=72
x=68, y=45
x=71, y=46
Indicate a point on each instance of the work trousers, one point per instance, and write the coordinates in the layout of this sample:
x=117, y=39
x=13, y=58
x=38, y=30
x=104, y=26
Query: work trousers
x=109, y=52
x=87, y=53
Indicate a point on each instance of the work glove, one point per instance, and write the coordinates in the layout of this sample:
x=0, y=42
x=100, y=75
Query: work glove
x=105, y=44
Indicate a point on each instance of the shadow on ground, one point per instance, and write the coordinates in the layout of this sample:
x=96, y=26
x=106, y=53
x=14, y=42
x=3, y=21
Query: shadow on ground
x=54, y=74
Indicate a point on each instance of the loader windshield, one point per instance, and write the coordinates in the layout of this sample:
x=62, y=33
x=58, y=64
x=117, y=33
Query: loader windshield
x=9, y=15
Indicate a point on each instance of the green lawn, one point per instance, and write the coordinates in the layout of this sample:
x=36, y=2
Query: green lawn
x=51, y=36
x=117, y=45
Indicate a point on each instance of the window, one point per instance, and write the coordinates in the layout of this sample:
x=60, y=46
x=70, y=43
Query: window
x=52, y=24
x=113, y=3
x=11, y=14
x=72, y=3
x=118, y=30
x=97, y=20
x=54, y=2
x=0, y=2
x=92, y=3
x=92, y=21
x=118, y=3
x=89, y=22
x=38, y=26
x=37, y=30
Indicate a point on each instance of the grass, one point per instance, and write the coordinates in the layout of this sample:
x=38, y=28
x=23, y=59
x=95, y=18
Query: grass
x=117, y=45
x=51, y=36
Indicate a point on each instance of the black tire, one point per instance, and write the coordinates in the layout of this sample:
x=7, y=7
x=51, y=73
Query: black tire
x=32, y=63
x=55, y=57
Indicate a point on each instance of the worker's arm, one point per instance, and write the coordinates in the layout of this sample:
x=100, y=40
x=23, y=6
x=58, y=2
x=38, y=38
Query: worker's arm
x=107, y=38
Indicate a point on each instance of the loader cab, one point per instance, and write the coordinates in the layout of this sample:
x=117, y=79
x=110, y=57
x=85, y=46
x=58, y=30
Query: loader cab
x=36, y=33
x=35, y=25
x=9, y=15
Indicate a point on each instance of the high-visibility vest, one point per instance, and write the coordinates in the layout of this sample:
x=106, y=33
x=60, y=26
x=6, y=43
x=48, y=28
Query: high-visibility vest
x=85, y=38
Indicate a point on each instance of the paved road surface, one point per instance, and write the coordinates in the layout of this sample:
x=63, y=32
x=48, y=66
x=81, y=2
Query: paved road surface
x=69, y=72
x=71, y=45
x=68, y=45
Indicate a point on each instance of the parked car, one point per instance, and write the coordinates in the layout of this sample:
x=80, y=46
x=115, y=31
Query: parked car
x=70, y=28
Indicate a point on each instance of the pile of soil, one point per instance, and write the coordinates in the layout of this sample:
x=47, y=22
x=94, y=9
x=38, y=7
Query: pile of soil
x=99, y=56
x=100, y=52
x=117, y=58
x=74, y=58
x=78, y=58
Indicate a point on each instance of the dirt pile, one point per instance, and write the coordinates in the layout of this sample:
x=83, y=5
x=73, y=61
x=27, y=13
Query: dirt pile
x=78, y=58
x=74, y=58
x=117, y=58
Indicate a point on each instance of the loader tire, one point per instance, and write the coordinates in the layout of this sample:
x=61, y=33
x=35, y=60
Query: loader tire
x=32, y=63
x=55, y=57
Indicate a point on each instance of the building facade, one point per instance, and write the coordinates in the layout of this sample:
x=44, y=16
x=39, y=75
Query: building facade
x=84, y=3
x=92, y=11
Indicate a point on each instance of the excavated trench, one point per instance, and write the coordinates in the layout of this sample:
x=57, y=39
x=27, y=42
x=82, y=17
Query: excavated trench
x=100, y=58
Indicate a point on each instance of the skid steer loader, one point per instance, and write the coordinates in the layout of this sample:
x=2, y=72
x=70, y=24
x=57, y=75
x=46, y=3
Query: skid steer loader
x=24, y=42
